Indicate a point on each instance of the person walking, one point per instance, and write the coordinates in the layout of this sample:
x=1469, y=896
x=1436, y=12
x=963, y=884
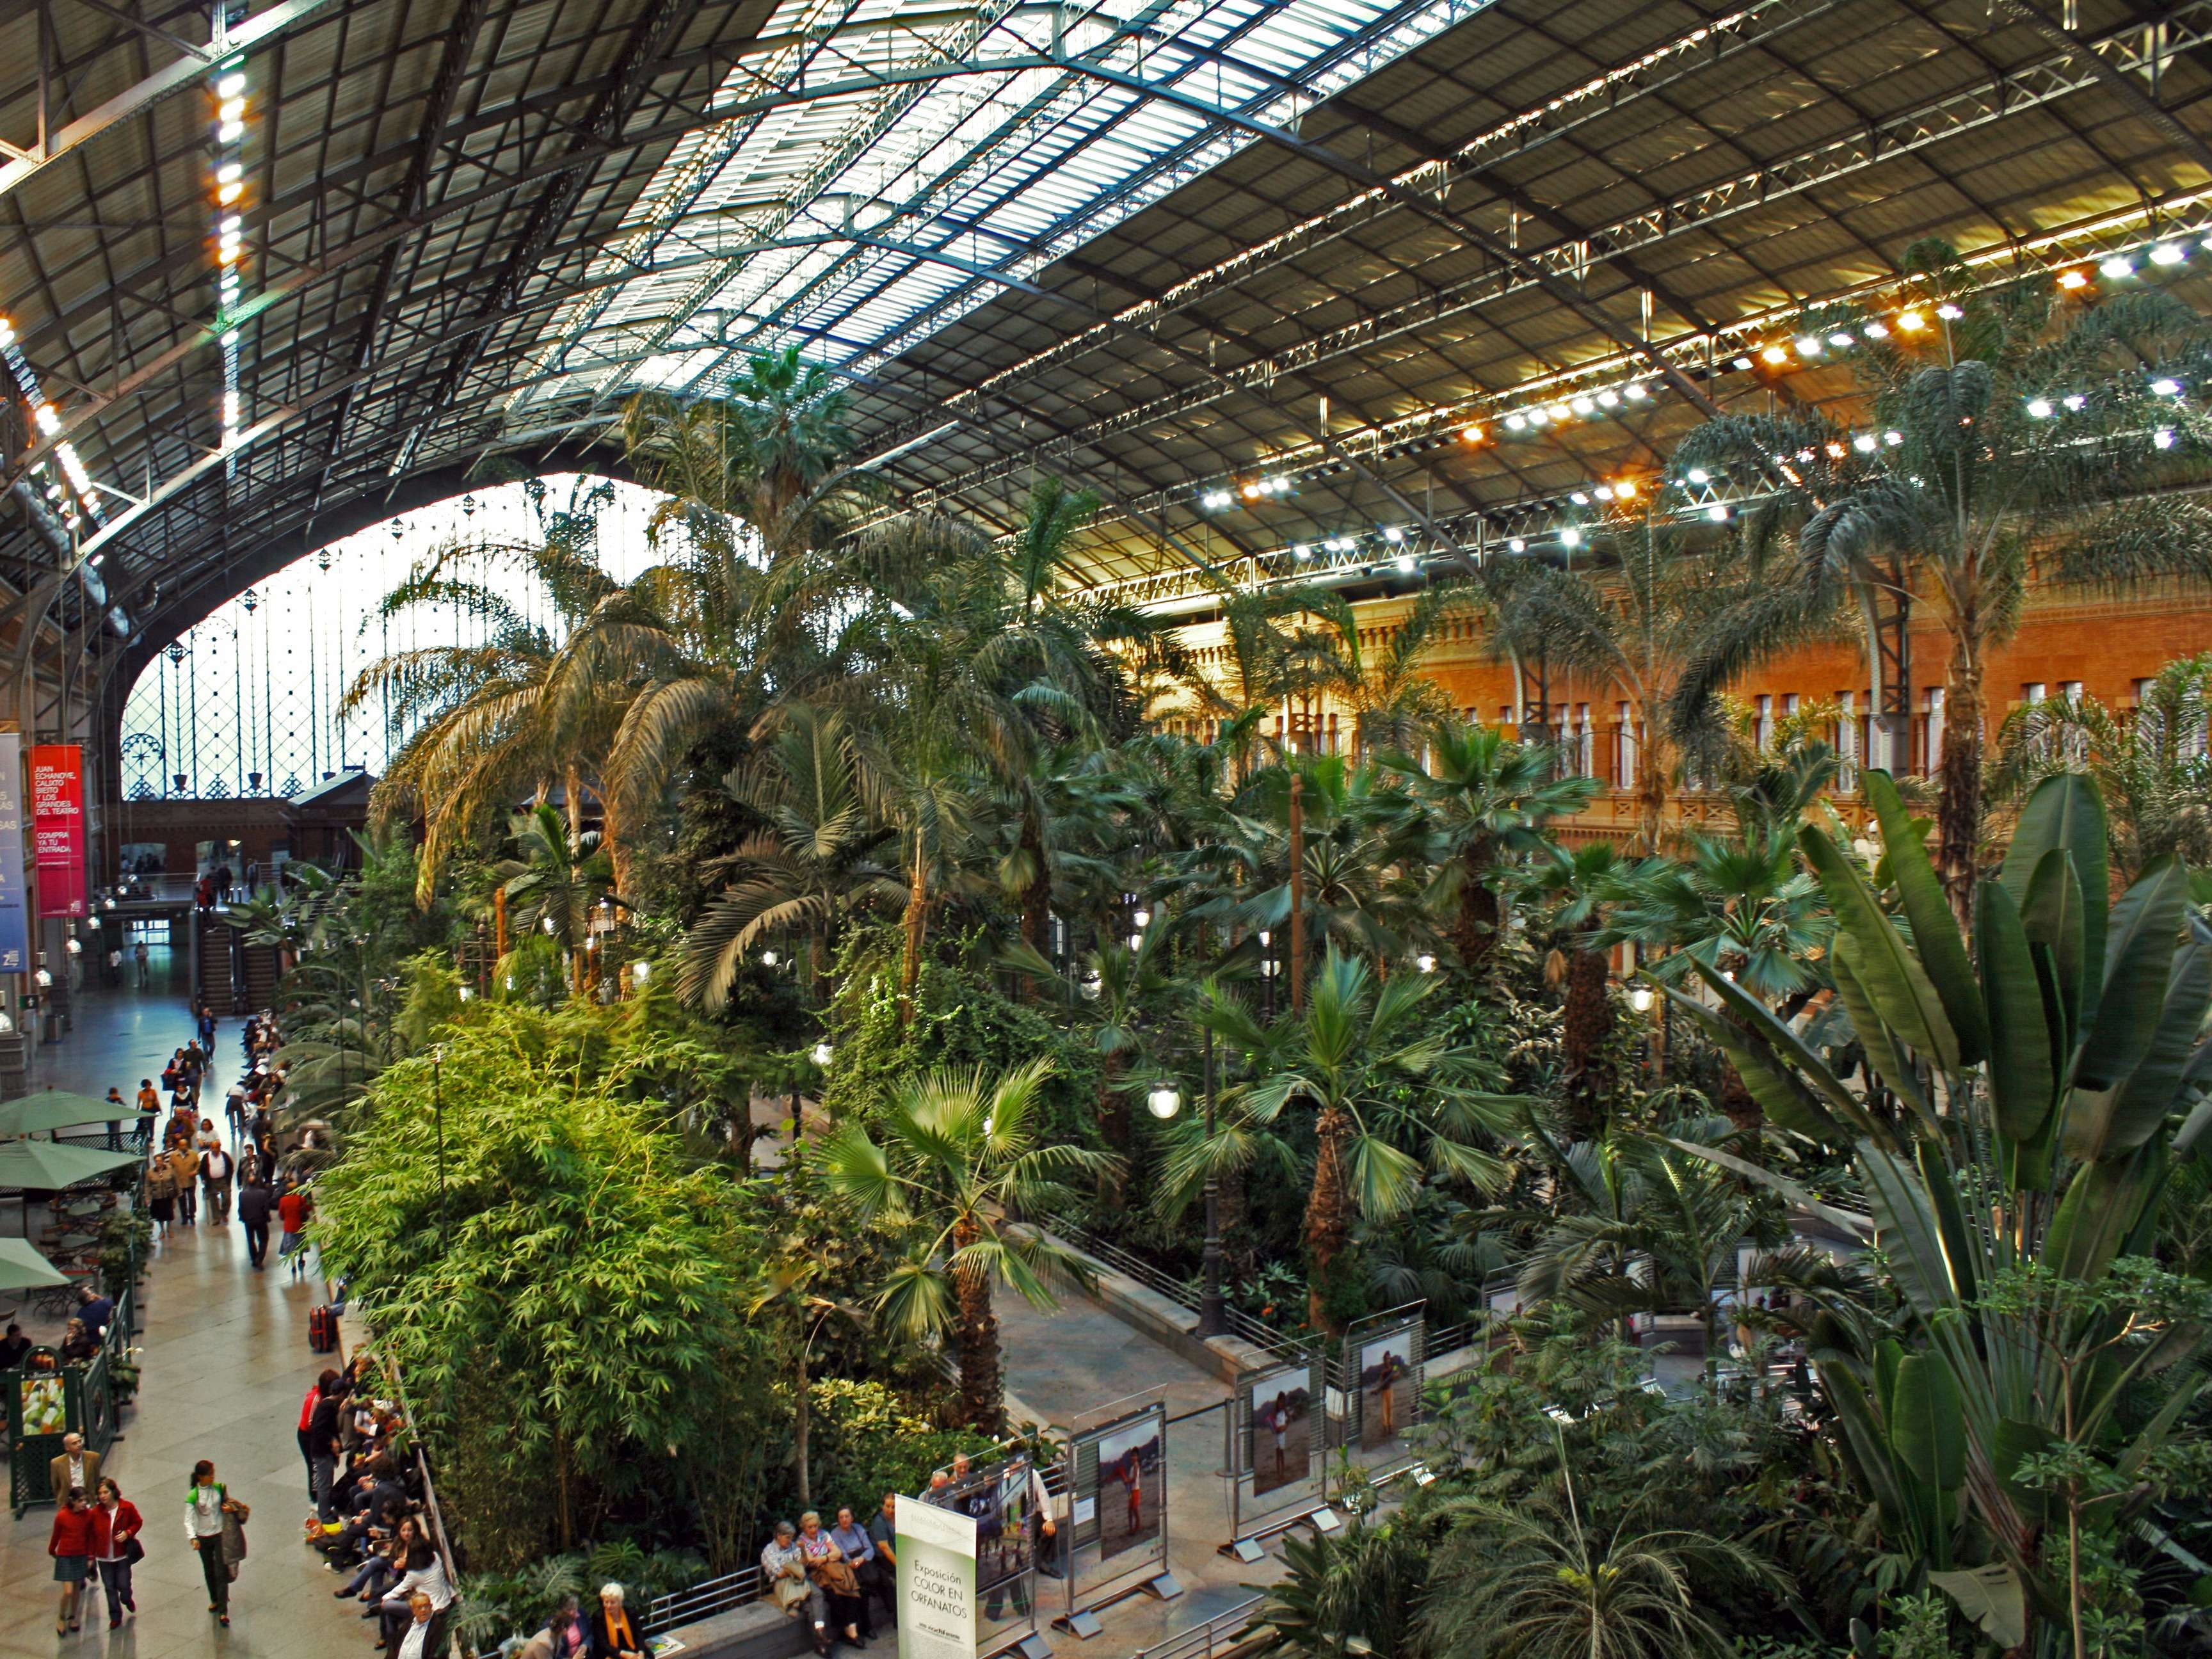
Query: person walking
x=295, y=1209
x=160, y=1195
x=116, y=1526
x=207, y=1029
x=139, y=953
x=206, y=1506
x=255, y=1203
x=75, y=1466
x=184, y=1166
x=71, y=1545
x=115, y=1124
x=217, y=1167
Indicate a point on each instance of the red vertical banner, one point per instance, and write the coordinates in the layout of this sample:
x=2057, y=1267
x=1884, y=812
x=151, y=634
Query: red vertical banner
x=58, y=827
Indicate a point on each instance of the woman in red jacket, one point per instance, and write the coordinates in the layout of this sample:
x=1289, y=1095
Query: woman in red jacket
x=116, y=1524
x=71, y=1548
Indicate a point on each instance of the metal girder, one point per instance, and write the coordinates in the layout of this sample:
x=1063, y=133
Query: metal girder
x=2113, y=80
x=452, y=64
x=1737, y=190
x=1748, y=29
x=2051, y=78
x=662, y=24
x=1284, y=102
x=257, y=30
x=638, y=247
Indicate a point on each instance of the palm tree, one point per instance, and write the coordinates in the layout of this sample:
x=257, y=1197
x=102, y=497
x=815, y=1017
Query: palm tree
x=1536, y=1582
x=1395, y=702
x=2021, y=442
x=1392, y=1106
x=2152, y=766
x=1361, y=836
x=515, y=714
x=1742, y=906
x=817, y=861
x=960, y=1153
x=1581, y=885
x=1630, y=626
x=557, y=880
x=1125, y=996
x=762, y=502
x=1486, y=797
x=1659, y=1233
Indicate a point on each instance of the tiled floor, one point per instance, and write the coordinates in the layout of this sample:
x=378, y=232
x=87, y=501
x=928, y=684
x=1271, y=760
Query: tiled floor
x=225, y=1364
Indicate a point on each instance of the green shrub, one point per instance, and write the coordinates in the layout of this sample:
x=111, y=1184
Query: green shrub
x=865, y=1441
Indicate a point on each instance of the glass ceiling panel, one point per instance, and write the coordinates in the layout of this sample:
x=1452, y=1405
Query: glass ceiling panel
x=855, y=197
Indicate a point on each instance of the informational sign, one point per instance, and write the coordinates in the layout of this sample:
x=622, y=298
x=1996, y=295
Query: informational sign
x=1382, y=1363
x=15, y=923
x=936, y=1581
x=1282, y=1422
x=1121, y=1483
x=58, y=827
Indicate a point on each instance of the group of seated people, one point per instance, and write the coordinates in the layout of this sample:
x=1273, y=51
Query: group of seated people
x=368, y=1520
x=829, y=1576
x=80, y=1339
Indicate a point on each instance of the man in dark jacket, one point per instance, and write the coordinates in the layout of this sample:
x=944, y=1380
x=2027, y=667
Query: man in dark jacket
x=255, y=1203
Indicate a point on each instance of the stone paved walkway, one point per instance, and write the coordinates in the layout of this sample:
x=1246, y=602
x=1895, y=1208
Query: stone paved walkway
x=225, y=1364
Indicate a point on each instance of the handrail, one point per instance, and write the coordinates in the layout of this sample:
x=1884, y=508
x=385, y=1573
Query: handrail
x=1241, y=1324
x=704, y=1600
x=1199, y=1641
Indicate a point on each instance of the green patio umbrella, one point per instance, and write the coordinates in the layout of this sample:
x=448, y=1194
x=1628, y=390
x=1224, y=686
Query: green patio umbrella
x=22, y=1268
x=42, y=1163
x=57, y=1109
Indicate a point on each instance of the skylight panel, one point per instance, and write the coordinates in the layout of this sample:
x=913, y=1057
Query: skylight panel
x=897, y=185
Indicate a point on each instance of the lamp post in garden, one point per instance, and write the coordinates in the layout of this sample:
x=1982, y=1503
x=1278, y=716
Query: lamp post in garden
x=1164, y=1100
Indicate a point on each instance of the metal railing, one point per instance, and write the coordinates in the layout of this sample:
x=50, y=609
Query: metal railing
x=1129, y=1265
x=704, y=1600
x=1218, y=1635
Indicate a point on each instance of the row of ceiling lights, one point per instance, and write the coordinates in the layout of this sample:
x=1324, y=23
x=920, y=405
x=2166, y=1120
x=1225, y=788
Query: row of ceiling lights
x=1814, y=345
x=79, y=499
x=227, y=90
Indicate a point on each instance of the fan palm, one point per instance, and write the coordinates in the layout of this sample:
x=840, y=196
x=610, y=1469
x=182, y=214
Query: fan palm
x=817, y=860
x=1362, y=838
x=1534, y=1582
x=1485, y=797
x=1393, y=1105
x=960, y=1153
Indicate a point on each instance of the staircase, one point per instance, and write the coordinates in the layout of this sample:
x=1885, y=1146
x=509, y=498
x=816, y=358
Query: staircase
x=260, y=978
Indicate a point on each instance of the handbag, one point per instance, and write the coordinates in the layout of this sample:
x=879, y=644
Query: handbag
x=789, y=1593
x=133, y=1552
x=837, y=1577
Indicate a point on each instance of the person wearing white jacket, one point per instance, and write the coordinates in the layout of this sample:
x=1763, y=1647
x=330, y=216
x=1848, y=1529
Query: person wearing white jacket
x=204, y=1502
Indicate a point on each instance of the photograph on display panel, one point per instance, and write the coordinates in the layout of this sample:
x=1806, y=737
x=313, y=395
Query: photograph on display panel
x=1280, y=1411
x=1386, y=1384
x=1131, y=1485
